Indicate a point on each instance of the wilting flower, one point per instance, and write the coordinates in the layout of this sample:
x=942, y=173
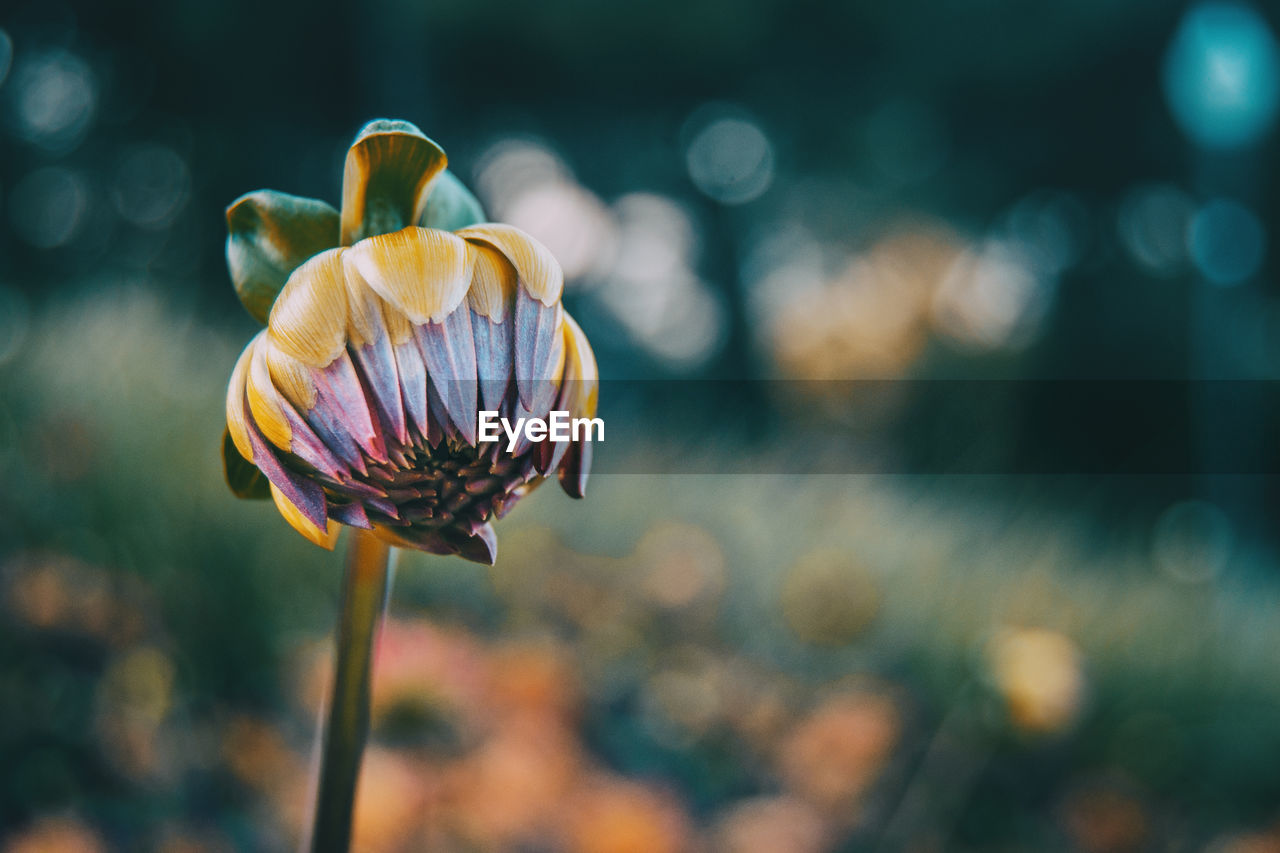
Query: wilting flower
x=391, y=330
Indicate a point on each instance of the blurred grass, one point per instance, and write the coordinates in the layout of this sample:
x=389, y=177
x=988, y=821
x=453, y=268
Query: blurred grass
x=111, y=414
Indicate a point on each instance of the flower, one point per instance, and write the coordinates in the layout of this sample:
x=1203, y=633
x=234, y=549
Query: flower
x=389, y=326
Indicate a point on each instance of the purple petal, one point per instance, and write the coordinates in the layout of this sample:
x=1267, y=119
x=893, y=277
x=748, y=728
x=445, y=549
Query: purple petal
x=549, y=455
x=352, y=514
x=425, y=539
x=493, y=359
x=449, y=352
x=377, y=365
x=535, y=337
x=332, y=430
x=479, y=547
x=575, y=469
x=413, y=384
x=302, y=492
x=338, y=389
x=307, y=446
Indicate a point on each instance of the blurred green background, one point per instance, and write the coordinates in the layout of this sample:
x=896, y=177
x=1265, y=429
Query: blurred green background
x=978, y=630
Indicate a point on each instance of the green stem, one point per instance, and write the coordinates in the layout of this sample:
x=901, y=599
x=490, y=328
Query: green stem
x=364, y=596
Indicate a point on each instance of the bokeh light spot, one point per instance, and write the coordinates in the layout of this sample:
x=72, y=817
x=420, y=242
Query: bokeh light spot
x=729, y=158
x=652, y=289
x=526, y=184
x=1227, y=242
x=1222, y=75
x=1049, y=228
x=992, y=297
x=1039, y=673
x=1152, y=223
x=54, y=98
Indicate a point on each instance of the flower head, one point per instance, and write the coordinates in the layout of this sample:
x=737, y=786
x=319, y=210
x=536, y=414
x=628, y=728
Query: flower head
x=389, y=326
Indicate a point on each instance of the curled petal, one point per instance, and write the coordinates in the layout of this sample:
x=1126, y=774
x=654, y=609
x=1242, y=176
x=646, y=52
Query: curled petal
x=537, y=309
x=281, y=424
x=579, y=397
x=421, y=272
x=386, y=181
x=326, y=538
x=264, y=402
x=237, y=413
x=539, y=271
x=493, y=284
x=269, y=235
x=581, y=375
x=303, y=493
x=312, y=394
x=290, y=376
x=309, y=320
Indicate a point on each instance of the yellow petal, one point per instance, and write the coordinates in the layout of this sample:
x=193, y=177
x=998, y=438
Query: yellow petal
x=561, y=354
x=324, y=538
x=422, y=272
x=389, y=171
x=366, y=313
x=236, y=415
x=493, y=284
x=264, y=405
x=580, y=370
x=309, y=319
x=291, y=377
x=539, y=270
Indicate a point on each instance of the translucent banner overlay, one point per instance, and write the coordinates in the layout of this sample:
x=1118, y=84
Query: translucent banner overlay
x=1075, y=427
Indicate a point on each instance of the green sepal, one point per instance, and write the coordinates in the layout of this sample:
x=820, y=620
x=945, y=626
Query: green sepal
x=451, y=205
x=269, y=235
x=388, y=174
x=244, y=478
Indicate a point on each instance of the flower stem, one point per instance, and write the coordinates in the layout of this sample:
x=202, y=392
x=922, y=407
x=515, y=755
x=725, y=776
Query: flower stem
x=364, y=597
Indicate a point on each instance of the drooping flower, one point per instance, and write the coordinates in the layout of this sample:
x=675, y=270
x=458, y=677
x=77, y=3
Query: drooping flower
x=390, y=325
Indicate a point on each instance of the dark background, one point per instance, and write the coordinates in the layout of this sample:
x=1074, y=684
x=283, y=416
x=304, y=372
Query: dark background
x=949, y=466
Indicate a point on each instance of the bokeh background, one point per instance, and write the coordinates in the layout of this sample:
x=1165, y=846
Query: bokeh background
x=888, y=237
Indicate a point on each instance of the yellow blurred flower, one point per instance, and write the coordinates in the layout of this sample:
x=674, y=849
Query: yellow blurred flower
x=610, y=815
x=1040, y=676
x=834, y=755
